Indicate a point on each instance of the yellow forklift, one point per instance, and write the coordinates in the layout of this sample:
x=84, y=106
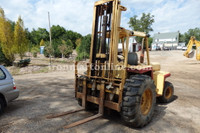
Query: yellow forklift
x=118, y=80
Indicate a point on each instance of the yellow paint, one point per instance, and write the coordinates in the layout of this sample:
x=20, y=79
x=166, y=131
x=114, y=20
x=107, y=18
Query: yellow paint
x=159, y=80
x=155, y=66
x=100, y=55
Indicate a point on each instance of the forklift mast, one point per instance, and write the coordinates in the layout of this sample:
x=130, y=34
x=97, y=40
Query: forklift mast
x=105, y=33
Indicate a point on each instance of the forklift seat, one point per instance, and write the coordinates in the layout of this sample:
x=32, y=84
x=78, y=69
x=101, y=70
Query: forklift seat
x=132, y=58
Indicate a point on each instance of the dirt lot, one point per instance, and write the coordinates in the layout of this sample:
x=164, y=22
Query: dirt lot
x=45, y=93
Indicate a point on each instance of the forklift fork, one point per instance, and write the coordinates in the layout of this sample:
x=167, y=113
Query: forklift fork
x=84, y=98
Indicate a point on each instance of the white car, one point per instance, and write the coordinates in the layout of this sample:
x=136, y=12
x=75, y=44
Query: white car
x=179, y=47
x=184, y=48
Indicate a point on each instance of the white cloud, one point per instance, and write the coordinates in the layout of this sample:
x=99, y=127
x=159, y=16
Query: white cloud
x=77, y=15
x=177, y=15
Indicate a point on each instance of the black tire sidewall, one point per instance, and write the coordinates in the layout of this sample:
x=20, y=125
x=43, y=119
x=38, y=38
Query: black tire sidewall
x=150, y=114
x=2, y=106
x=131, y=113
x=168, y=84
x=162, y=98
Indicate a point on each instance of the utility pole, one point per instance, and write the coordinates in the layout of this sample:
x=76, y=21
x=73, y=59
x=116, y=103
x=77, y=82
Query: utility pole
x=49, y=35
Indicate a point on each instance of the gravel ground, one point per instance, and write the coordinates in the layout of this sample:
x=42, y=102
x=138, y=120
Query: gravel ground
x=46, y=93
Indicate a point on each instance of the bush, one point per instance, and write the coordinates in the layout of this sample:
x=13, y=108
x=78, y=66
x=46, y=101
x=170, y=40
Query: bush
x=48, y=51
x=35, y=50
x=55, y=49
x=66, y=48
x=82, y=56
x=35, y=54
x=23, y=63
x=83, y=49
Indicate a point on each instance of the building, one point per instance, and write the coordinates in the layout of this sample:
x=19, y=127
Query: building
x=133, y=45
x=166, y=40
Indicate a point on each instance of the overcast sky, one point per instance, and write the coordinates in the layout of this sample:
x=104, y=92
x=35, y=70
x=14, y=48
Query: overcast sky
x=76, y=15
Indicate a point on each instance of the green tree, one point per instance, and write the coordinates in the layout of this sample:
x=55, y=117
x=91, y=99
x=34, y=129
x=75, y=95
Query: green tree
x=181, y=37
x=49, y=50
x=3, y=59
x=57, y=32
x=192, y=32
x=69, y=43
x=35, y=50
x=56, y=51
x=143, y=24
x=83, y=49
x=150, y=40
x=6, y=37
x=78, y=42
x=60, y=33
x=20, y=40
x=73, y=36
x=35, y=36
x=65, y=49
x=12, y=24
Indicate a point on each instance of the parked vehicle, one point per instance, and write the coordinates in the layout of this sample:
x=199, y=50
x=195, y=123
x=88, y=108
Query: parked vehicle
x=179, y=47
x=158, y=48
x=166, y=48
x=184, y=48
x=8, y=90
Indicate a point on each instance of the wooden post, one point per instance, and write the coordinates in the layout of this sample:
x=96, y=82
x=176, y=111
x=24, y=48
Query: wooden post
x=88, y=69
x=147, y=49
x=142, y=51
x=103, y=68
x=84, y=94
x=125, y=59
x=49, y=34
x=120, y=93
x=76, y=79
x=101, y=98
x=123, y=47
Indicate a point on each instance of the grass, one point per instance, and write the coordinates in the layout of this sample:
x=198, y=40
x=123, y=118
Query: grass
x=15, y=71
x=42, y=70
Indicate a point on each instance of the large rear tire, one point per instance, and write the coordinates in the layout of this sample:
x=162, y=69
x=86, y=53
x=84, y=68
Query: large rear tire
x=139, y=99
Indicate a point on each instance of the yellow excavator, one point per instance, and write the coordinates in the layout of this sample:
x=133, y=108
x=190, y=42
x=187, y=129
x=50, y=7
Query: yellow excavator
x=189, y=53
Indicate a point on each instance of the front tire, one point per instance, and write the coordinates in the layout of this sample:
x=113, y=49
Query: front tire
x=2, y=106
x=139, y=99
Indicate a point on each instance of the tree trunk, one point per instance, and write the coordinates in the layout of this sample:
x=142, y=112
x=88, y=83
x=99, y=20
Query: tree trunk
x=21, y=56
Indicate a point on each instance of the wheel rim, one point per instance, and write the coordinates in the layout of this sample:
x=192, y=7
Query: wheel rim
x=168, y=93
x=146, y=102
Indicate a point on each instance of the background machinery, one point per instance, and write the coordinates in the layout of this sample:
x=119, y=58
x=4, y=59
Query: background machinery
x=116, y=80
x=189, y=53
